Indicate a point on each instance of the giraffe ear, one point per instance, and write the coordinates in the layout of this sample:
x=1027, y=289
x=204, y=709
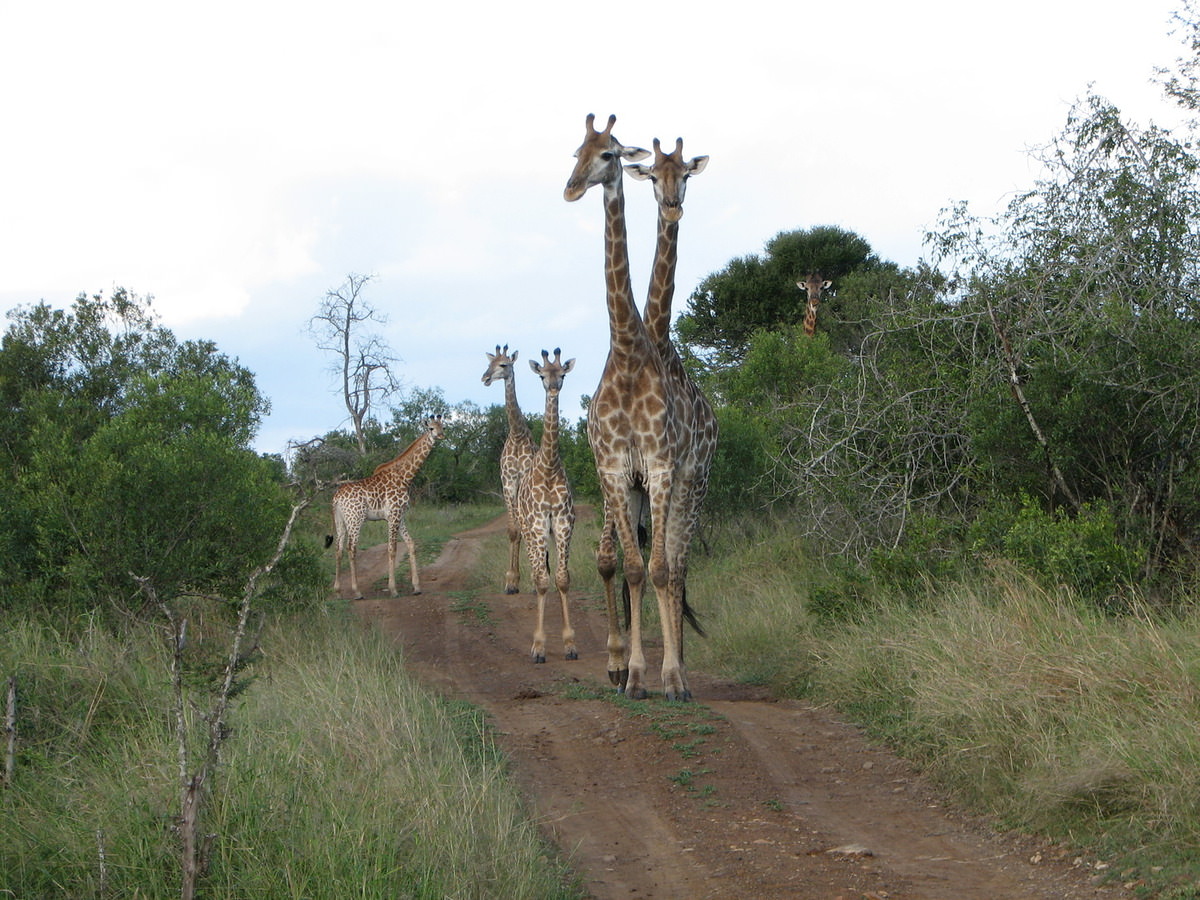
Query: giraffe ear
x=568, y=366
x=697, y=165
x=826, y=285
x=641, y=173
x=537, y=369
x=514, y=356
x=633, y=154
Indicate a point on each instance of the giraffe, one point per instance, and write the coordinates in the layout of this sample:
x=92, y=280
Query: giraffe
x=381, y=495
x=813, y=285
x=697, y=423
x=547, y=511
x=634, y=433
x=515, y=458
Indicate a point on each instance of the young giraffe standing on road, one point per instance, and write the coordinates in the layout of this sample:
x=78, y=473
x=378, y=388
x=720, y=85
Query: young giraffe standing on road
x=381, y=495
x=635, y=434
x=515, y=458
x=547, y=511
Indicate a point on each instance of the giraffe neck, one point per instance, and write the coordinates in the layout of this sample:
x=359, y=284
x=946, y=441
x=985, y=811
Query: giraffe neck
x=662, y=284
x=549, y=447
x=407, y=463
x=517, y=425
x=625, y=325
x=810, y=314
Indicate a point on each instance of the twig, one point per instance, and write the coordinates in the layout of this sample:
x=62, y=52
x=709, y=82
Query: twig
x=10, y=731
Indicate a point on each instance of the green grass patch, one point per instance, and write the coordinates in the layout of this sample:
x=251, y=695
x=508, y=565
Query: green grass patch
x=469, y=608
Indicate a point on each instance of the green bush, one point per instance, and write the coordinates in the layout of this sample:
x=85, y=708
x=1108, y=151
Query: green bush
x=1081, y=552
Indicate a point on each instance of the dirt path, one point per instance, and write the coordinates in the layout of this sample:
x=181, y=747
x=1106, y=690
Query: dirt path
x=733, y=796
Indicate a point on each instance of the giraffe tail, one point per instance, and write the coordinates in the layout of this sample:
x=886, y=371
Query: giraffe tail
x=328, y=540
x=690, y=616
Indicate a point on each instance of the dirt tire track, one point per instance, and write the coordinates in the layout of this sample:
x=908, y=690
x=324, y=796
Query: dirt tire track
x=781, y=800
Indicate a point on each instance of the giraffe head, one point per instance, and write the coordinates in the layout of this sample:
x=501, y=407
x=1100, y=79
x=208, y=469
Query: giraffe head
x=598, y=159
x=500, y=365
x=814, y=284
x=552, y=373
x=433, y=427
x=669, y=174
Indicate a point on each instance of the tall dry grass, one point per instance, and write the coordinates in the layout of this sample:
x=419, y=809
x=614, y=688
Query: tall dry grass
x=1027, y=704
x=341, y=778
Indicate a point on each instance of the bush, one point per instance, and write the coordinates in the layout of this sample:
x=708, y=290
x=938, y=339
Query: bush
x=1080, y=552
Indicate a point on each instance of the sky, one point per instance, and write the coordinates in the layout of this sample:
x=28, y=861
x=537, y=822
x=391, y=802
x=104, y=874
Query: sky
x=237, y=160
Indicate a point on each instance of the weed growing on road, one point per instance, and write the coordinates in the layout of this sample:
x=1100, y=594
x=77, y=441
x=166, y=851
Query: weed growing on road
x=470, y=609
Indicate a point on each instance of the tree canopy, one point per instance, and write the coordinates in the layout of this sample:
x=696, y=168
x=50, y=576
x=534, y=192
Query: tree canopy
x=127, y=455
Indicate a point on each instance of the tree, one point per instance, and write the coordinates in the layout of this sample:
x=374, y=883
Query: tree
x=1088, y=288
x=131, y=457
x=759, y=293
x=364, y=359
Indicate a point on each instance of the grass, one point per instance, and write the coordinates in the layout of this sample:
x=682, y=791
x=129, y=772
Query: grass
x=341, y=776
x=1026, y=704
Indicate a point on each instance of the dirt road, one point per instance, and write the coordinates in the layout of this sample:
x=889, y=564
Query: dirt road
x=733, y=796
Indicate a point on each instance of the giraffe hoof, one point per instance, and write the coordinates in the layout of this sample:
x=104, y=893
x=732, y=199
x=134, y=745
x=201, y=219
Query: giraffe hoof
x=416, y=593
x=512, y=590
x=572, y=653
x=618, y=679
x=637, y=693
x=538, y=657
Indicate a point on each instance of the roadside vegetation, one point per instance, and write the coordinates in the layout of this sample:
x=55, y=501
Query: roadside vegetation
x=341, y=776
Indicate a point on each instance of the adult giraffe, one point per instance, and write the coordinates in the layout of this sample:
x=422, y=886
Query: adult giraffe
x=546, y=511
x=515, y=458
x=697, y=423
x=634, y=432
x=381, y=495
x=813, y=285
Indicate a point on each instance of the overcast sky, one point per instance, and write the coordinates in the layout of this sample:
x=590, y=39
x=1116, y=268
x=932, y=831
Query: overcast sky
x=235, y=160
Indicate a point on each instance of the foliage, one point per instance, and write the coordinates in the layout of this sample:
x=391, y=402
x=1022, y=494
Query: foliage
x=1079, y=552
x=1088, y=294
x=755, y=293
x=423, y=808
x=126, y=455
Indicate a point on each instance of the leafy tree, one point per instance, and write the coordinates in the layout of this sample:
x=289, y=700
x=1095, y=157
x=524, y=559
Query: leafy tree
x=1086, y=290
x=755, y=293
x=127, y=455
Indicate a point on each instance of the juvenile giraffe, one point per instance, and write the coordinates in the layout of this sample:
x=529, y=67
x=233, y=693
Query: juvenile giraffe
x=634, y=432
x=813, y=285
x=547, y=511
x=515, y=458
x=381, y=495
x=697, y=423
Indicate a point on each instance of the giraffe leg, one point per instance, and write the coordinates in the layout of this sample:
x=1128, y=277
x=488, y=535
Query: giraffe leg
x=606, y=565
x=670, y=606
x=414, y=572
x=391, y=550
x=512, y=578
x=625, y=514
x=562, y=581
x=539, y=571
x=352, y=554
